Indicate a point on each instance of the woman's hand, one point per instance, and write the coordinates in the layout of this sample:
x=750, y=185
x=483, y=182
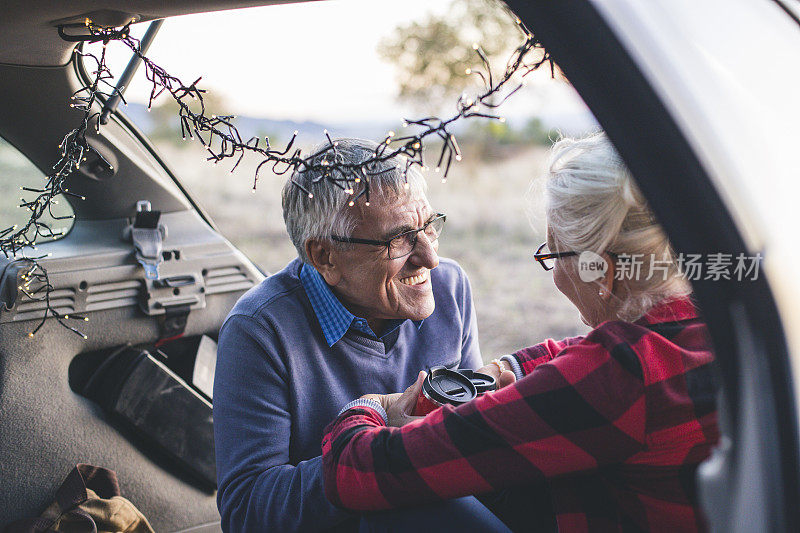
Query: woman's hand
x=500, y=371
x=400, y=406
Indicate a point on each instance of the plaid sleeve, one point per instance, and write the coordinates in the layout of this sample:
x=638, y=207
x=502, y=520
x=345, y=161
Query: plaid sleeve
x=582, y=410
x=533, y=356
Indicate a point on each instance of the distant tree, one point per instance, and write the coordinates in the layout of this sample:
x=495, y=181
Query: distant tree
x=490, y=138
x=536, y=132
x=432, y=55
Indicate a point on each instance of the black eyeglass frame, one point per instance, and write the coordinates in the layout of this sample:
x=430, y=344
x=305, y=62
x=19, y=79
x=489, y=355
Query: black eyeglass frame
x=541, y=258
x=387, y=243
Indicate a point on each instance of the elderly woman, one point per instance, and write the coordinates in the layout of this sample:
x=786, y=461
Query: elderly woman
x=612, y=425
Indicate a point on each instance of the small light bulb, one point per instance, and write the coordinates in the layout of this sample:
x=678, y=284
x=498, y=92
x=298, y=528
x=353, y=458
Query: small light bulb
x=310, y=195
x=351, y=203
x=366, y=204
x=458, y=158
x=468, y=71
x=502, y=119
x=475, y=46
x=391, y=133
x=444, y=180
x=436, y=169
x=406, y=185
x=30, y=334
x=358, y=180
x=416, y=145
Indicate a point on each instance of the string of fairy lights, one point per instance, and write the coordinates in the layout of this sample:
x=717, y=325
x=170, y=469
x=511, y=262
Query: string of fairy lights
x=222, y=141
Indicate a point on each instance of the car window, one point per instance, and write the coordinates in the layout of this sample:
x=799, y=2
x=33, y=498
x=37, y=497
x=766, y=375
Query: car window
x=358, y=88
x=16, y=171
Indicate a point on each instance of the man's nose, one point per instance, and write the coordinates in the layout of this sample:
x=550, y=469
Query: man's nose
x=424, y=253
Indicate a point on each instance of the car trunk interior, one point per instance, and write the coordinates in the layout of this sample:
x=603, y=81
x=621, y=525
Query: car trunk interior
x=48, y=422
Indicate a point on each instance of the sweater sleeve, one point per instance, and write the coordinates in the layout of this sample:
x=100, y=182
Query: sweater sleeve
x=583, y=410
x=259, y=490
x=470, y=348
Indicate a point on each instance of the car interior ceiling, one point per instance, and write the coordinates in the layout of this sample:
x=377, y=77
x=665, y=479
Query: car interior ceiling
x=28, y=33
x=52, y=428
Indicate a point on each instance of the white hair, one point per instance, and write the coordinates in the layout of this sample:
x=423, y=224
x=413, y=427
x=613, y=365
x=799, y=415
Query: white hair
x=326, y=212
x=592, y=204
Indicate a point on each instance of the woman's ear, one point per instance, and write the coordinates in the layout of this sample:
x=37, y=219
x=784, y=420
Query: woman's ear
x=607, y=282
x=323, y=258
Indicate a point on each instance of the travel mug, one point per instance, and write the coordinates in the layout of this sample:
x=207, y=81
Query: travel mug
x=443, y=386
x=483, y=382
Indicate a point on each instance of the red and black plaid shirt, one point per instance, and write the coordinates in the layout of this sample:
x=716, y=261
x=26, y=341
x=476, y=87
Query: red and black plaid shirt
x=616, y=422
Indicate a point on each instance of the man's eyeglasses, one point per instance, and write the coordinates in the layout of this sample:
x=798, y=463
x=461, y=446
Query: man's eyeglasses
x=547, y=258
x=403, y=243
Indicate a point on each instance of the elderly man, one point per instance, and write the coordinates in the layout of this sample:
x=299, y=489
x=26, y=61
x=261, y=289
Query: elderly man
x=364, y=308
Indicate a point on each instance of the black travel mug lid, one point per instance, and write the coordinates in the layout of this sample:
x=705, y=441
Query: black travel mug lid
x=448, y=386
x=483, y=382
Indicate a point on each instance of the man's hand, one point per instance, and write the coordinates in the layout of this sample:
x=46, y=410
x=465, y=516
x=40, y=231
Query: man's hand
x=503, y=377
x=400, y=406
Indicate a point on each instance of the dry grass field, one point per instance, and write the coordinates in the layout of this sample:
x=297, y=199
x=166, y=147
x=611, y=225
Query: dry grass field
x=488, y=232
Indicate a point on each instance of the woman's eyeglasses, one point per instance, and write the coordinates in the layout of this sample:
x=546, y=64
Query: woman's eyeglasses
x=547, y=259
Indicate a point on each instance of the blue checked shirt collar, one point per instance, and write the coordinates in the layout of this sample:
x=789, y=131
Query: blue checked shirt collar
x=333, y=317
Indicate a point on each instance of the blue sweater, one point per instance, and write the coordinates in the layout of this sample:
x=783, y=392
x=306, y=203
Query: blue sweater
x=278, y=383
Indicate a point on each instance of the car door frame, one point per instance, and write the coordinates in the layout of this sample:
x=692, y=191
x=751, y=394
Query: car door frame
x=751, y=482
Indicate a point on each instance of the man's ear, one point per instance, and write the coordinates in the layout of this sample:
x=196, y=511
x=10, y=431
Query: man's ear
x=323, y=258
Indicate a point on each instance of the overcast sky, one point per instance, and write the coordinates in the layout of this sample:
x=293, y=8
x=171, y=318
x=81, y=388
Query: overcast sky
x=310, y=61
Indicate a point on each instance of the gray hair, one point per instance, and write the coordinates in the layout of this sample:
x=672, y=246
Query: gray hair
x=592, y=204
x=325, y=211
